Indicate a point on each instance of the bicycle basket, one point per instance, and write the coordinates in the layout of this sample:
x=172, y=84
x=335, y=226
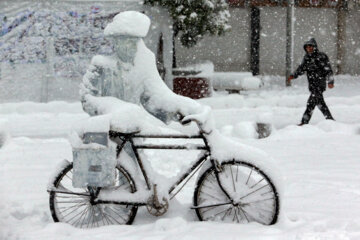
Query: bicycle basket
x=93, y=163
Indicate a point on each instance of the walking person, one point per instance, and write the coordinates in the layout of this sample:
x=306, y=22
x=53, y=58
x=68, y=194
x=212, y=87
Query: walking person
x=318, y=69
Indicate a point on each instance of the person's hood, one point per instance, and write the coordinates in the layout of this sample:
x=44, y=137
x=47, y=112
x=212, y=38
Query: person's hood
x=311, y=42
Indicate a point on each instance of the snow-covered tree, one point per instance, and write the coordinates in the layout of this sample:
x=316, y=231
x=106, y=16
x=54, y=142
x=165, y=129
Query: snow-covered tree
x=195, y=18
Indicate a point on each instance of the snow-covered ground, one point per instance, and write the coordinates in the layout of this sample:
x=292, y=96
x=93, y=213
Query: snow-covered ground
x=320, y=163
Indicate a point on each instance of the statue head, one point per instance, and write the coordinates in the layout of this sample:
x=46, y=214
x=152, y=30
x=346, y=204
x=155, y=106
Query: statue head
x=126, y=29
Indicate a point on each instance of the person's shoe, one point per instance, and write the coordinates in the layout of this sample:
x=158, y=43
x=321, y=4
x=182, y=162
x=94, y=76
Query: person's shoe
x=300, y=124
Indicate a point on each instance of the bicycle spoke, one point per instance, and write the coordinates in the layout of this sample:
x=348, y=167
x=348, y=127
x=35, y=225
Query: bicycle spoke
x=257, y=183
x=219, y=213
x=73, y=216
x=213, y=205
x=262, y=200
x=108, y=218
x=240, y=209
x=75, y=223
x=247, y=181
x=211, y=196
x=68, y=177
x=226, y=213
x=87, y=211
x=72, y=196
x=254, y=191
x=79, y=201
x=73, y=210
x=260, y=220
x=237, y=172
x=68, y=208
x=209, y=209
x=232, y=177
x=97, y=222
x=117, y=214
x=90, y=216
x=109, y=215
x=102, y=214
x=263, y=209
x=212, y=187
x=271, y=191
x=237, y=217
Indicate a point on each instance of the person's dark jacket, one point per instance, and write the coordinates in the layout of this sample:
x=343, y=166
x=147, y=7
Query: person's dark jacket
x=317, y=67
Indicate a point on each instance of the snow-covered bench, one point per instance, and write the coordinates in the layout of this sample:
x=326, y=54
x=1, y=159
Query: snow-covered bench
x=235, y=81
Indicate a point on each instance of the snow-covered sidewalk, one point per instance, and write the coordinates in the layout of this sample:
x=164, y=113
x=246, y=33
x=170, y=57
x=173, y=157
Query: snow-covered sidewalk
x=320, y=163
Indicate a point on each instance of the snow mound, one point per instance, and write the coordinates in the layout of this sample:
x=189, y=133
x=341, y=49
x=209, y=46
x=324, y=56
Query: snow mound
x=312, y=131
x=56, y=107
x=246, y=129
x=235, y=81
x=338, y=127
x=129, y=23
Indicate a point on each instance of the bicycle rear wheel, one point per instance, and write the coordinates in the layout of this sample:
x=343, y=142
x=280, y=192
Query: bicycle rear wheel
x=73, y=205
x=255, y=196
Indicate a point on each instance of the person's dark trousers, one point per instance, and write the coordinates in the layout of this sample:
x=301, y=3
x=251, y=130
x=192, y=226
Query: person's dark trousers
x=316, y=99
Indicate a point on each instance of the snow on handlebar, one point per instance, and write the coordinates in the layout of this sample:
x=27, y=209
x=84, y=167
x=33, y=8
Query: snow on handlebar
x=188, y=120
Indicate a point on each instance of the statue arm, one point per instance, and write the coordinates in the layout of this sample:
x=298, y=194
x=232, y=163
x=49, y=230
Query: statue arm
x=160, y=100
x=91, y=85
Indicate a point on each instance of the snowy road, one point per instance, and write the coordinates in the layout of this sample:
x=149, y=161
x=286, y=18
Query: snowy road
x=320, y=163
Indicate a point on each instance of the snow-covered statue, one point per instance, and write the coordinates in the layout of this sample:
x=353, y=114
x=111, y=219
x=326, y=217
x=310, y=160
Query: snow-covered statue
x=131, y=74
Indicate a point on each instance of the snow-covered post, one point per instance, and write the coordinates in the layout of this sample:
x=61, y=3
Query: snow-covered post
x=289, y=39
x=341, y=36
x=50, y=55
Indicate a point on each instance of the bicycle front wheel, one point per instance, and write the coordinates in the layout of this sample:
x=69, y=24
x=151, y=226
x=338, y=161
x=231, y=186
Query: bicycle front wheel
x=73, y=205
x=255, y=198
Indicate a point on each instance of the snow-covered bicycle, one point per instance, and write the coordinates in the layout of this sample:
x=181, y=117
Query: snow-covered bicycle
x=231, y=186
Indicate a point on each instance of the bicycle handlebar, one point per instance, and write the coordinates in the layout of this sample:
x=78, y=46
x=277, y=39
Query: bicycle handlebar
x=188, y=121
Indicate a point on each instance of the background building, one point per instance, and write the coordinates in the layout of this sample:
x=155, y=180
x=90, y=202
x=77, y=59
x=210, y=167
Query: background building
x=334, y=24
x=46, y=46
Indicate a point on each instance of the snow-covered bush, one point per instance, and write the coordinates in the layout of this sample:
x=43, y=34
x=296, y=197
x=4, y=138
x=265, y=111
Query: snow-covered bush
x=195, y=18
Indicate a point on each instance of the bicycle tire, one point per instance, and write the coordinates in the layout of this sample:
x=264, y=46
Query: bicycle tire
x=255, y=194
x=80, y=212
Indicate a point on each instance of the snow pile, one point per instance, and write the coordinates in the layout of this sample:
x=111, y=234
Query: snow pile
x=235, y=81
x=130, y=23
x=35, y=107
x=205, y=69
x=244, y=129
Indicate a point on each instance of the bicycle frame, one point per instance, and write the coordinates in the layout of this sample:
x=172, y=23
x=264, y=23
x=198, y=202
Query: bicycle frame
x=136, y=147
